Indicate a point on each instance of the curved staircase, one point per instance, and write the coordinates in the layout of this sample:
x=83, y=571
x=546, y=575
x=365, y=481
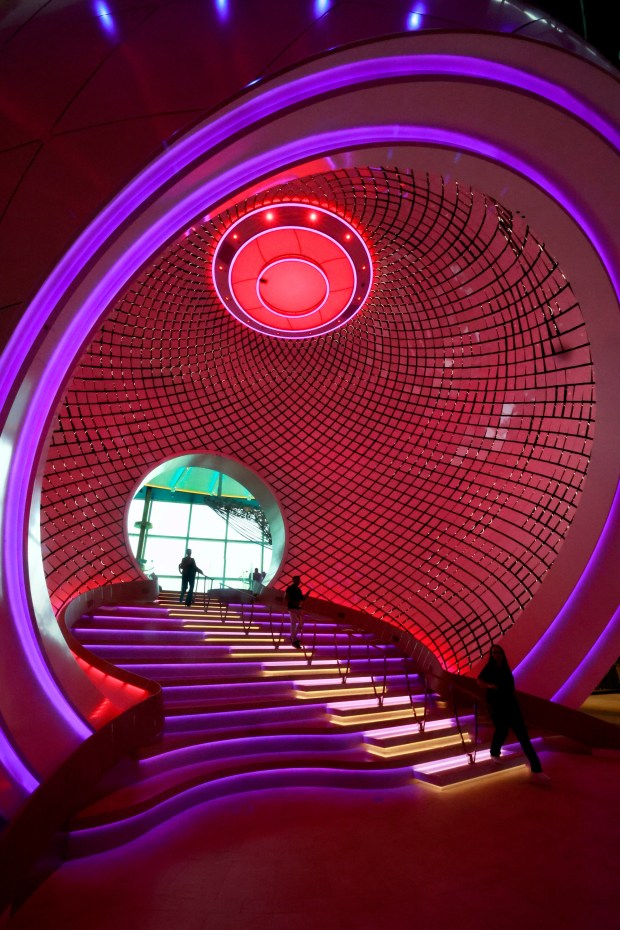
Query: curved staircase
x=244, y=710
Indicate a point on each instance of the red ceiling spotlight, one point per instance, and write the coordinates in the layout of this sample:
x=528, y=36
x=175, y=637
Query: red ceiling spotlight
x=292, y=280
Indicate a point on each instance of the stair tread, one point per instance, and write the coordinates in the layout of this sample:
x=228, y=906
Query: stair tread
x=242, y=708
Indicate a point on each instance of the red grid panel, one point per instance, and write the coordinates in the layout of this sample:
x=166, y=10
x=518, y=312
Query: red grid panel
x=428, y=456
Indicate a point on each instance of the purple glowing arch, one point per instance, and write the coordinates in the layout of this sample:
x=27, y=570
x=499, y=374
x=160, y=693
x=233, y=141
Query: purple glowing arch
x=30, y=423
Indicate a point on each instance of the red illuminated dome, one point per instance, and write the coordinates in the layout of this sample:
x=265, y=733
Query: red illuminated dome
x=292, y=271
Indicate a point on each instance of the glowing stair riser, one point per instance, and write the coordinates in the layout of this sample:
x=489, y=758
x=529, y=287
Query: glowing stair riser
x=459, y=770
x=98, y=839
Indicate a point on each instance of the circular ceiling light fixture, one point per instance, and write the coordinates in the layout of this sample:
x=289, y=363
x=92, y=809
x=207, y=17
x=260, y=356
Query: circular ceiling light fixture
x=292, y=270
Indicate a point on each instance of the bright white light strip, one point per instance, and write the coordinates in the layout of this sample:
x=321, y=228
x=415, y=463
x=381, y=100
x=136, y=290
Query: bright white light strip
x=393, y=701
x=417, y=746
x=285, y=651
x=350, y=681
x=318, y=663
x=306, y=691
x=235, y=638
x=284, y=671
x=452, y=762
x=409, y=729
x=349, y=720
x=217, y=625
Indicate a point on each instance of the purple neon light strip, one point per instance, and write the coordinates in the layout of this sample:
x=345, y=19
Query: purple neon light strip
x=196, y=145
x=13, y=765
x=604, y=645
x=257, y=780
x=562, y=617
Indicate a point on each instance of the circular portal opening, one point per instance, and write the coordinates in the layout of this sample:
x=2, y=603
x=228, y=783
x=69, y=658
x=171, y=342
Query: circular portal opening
x=216, y=508
x=293, y=286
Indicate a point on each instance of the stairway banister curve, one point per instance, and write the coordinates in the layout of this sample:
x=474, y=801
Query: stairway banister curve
x=546, y=715
x=539, y=712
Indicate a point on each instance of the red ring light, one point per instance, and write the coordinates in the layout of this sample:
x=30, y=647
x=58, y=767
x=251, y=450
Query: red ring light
x=292, y=272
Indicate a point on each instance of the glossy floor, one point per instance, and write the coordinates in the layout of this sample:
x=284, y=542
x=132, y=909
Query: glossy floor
x=507, y=854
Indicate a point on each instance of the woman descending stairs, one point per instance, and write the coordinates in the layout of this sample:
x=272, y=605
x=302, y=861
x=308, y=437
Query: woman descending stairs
x=244, y=710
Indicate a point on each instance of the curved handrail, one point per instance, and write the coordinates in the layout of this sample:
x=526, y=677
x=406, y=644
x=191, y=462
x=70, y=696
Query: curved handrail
x=421, y=721
x=539, y=712
x=379, y=693
x=544, y=714
x=344, y=670
x=470, y=752
x=308, y=651
x=247, y=619
x=277, y=640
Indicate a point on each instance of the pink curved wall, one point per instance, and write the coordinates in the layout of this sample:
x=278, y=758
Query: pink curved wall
x=428, y=457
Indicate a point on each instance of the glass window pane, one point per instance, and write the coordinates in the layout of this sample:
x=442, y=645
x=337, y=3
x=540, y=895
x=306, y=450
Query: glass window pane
x=242, y=559
x=209, y=556
x=250, y=527
x=169, y=519
x=170, y=582
x=165, y=554
x=206, y=522
x=134, y=514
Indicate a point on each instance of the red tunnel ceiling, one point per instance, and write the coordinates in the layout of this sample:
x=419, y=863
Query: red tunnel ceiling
x=428, y=456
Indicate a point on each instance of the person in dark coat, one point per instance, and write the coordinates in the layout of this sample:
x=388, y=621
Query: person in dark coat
x=189, y=570
x=294, y=600
x=504, y=709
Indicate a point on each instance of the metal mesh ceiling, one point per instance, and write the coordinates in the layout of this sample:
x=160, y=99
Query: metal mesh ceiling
x=428, y=457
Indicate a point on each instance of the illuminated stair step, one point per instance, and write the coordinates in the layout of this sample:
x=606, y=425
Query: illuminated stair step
x=458, y=769
x=231, y=694
x=391, y=736
x=237, y=754
x=438, y=745
x=110, y=621
x=241, y=713
x=165, y=770
x=221, y=670
x=230, y=628
x=84, y=841
x=99, y=637
x=180, y=757
x=393, y=681
x=257, y=689
x=367, y=705
x=262, y=715
x=136, y=610
x=333, y=687
x=318, y=653
x=293, y=671
x=193, y=672
x=387, y=714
